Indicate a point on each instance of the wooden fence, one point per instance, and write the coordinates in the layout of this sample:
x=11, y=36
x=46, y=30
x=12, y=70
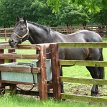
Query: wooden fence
x=55, y=64
x=39, y=71
x=57, y=78
x=6, y=32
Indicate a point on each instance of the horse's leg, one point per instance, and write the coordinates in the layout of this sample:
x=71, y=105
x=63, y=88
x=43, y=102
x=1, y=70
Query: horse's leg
x=101, y=73
x=101, y=69
x=62, y=85
x=94, y=71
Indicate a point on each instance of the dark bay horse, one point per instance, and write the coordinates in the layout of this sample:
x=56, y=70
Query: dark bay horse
x=37, y=34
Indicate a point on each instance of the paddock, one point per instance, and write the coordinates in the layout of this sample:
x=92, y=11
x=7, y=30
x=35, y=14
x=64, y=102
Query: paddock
x=55, y=67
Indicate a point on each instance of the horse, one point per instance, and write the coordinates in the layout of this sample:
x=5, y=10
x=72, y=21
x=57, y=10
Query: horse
x=36, y=34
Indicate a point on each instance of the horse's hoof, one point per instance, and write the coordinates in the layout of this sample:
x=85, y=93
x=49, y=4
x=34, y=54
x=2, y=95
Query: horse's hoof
x=94, y=93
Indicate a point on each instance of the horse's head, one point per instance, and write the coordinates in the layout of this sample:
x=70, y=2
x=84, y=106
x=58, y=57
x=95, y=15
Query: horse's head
x=20, y=34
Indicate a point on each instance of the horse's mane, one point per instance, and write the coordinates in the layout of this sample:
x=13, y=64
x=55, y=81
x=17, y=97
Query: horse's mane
x=41, y=26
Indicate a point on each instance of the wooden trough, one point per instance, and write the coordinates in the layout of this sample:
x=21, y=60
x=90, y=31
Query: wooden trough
x=24, y=76
x=36, y=72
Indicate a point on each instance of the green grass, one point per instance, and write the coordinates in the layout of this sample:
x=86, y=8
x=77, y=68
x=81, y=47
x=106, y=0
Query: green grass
x=20, y=101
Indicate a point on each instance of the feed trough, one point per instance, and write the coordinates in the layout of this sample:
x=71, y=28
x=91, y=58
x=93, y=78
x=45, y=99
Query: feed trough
x=24, y=76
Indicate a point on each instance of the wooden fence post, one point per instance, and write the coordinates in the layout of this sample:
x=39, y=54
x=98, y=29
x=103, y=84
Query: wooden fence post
x=5, y=34
x=12, y=86
x=2, y=86
x=1, y=52
x=42, y=76
x=11, y=51
x=55, y=71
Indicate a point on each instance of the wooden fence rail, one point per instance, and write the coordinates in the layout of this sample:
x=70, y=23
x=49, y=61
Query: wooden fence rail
x=84, y=81
x=84, y=98
x=84, y=63
x=83, y=45
x=19, y=69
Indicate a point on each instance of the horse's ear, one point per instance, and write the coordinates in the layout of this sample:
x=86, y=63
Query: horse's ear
x=24, y=19
x=17, y=18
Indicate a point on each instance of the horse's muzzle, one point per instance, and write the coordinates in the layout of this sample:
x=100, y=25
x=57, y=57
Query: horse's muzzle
x=13, y=44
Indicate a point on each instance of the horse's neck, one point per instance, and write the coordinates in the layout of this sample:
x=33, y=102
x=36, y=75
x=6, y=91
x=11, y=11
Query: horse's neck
x=41, y=35
x=38, y=34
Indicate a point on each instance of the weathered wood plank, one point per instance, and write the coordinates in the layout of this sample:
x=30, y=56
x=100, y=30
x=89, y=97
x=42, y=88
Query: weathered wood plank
x=84, y=63
x=84, y=81
x=11, y=51
x=61, y=45
x=84, y=98
x=1, y=52
x=6, y=45
x=83, y=45
x=31, y=46
x=55, y=71
x=19, y=69
x=12, y=86
x=15, y=82
x=42, y=86
x=2, y=85
x=18, y=56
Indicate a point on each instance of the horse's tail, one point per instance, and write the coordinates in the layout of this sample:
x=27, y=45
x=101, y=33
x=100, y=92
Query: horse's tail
x=101, y=69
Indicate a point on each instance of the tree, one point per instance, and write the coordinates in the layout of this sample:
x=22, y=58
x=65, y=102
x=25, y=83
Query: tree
x=33, y=10
x=101, y=17
x=10, y=9
x=93, y=5
x=45, y=11
x=73, y=14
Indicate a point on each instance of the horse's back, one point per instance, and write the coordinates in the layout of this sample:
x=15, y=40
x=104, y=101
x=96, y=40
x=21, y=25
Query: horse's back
x=81, y=53
x=83, y=36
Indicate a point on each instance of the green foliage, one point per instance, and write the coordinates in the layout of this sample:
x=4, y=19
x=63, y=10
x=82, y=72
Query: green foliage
x=101, y=17
x=10, y=9
x=73, y=14
x=53, y=12
x=93, y=5
x=55, y=4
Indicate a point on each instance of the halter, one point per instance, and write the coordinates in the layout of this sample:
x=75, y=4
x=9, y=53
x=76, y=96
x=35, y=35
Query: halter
x=26, y=34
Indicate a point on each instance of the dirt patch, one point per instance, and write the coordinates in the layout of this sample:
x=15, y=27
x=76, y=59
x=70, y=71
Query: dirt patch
x=81, y=89
x=69, y=88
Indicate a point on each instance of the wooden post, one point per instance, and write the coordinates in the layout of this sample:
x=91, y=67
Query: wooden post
x=5, y=34
x=42, y=76
x=11, y=51
x=2, y=86
x=1, y=52
x=55, y=71
x=12, y=86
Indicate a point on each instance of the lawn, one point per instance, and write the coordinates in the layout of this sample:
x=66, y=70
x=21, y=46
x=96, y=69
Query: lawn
x=21, y=101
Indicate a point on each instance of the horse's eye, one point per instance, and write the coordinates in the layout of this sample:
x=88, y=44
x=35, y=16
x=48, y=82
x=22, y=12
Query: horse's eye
x=21, y=28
